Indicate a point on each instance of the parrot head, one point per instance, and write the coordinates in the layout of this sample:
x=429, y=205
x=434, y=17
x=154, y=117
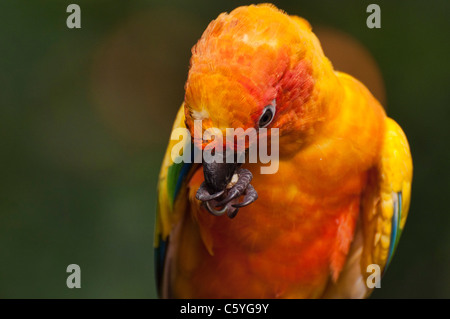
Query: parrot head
x=255, y=67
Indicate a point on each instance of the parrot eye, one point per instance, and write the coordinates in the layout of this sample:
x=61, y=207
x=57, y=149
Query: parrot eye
x=267, y=115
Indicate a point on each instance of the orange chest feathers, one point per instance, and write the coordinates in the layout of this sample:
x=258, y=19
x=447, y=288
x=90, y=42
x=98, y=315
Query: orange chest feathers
x=287, y=243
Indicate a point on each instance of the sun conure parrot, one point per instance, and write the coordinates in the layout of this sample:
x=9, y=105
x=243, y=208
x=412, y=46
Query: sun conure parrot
x=339, y=200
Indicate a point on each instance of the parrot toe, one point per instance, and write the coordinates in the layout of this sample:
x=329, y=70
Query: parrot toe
x=238, y=189
x=250, y=196
x=203, y=194
x=214, y=211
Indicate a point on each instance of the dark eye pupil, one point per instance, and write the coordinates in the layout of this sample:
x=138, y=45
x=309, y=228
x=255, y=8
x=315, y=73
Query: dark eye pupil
x=266, y=118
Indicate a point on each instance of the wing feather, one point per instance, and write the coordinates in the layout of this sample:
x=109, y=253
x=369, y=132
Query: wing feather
x=384, y=210
x=172, y=197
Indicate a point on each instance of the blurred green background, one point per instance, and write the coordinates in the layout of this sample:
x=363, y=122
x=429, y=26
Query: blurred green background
x=85, y=115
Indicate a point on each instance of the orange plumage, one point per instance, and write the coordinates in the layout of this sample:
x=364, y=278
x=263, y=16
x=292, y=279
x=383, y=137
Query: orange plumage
x=295, y=241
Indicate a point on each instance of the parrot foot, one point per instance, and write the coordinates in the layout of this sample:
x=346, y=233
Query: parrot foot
x=237, y=187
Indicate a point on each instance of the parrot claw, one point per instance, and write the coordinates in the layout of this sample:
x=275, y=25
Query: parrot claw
x=204, y=196
x=250, y=196
x=214, y=211
x=232, y=211
x=238, y=189
x=229, y=209
x=229, y=205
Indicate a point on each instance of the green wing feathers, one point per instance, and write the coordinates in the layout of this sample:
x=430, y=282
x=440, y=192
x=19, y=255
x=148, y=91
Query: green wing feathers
x=171, y=178
x=172, y=198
